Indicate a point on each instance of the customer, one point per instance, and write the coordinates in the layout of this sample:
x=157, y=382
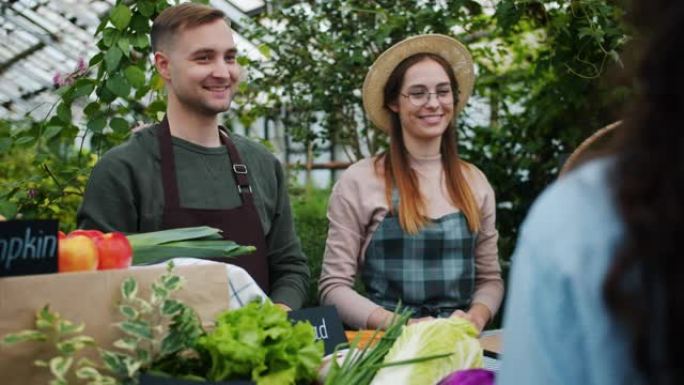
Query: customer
x=598, y=274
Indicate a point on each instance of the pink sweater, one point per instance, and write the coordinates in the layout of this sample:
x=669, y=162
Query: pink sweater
x=357, y=206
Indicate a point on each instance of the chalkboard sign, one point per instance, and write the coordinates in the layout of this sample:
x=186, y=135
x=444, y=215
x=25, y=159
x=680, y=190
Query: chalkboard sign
x=28, y=247
x=326, y=323
x=146, y=379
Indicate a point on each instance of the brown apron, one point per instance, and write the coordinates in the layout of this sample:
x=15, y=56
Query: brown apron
x=240, y=224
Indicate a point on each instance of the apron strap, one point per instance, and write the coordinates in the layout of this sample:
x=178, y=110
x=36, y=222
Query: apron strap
x=168, y=166
x=239, y=168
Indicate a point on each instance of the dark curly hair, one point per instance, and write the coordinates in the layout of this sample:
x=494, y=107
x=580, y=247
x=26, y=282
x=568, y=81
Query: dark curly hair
x=644, y=288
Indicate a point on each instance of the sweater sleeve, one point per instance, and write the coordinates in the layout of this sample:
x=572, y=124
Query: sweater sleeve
x=346, y=238
x=109, y=200
x=489, y=287
x=288, y=265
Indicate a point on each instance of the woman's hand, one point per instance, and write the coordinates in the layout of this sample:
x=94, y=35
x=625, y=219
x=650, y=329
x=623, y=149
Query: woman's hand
x=421, y=319
x=478, y=315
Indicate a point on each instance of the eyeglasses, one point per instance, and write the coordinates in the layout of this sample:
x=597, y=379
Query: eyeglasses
x=420, y=98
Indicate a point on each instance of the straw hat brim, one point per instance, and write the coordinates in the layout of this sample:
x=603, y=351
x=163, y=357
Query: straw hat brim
x=447, y=47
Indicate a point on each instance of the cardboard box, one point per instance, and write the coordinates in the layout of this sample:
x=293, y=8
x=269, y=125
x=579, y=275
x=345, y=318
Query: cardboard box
x=91, y=298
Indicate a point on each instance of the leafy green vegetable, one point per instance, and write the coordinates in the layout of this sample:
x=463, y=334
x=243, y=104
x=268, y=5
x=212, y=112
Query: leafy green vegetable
x=172, y=235
x=454, y=338
x=258, y=342
x=361, y=364
x=197, y=242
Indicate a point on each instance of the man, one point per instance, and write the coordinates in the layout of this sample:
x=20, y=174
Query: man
x=186, y=172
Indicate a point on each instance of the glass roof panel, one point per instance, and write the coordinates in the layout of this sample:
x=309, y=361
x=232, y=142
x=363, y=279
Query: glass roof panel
x=41, y=38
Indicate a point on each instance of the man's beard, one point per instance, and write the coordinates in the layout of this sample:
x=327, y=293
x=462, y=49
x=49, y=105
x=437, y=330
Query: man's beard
x=200, y=106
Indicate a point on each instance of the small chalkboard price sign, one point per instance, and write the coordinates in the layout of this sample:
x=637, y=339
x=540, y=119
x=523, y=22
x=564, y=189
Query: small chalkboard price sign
x=326, y=323
x=28, y=247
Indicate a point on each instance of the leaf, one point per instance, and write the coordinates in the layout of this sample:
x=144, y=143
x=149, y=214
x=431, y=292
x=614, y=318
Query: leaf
x=171, y=307
x=125, y=45
x=126, y=344
x=87, y=373
x=106, y=96
x=172, y=282
x=120, y=16
x=139, y=329
x=59, y=366
x=119, y=86
x=92, y=108
x=40, y=363
x=119, y=125
x=129, y=288
x=146, y=8
x=96, y=124
x=265, y=50
x=113, y=362
x=51, y=131
x=113, y=58
x=95, y=59
x=23, y=336
x=171, y=235
x=140, y=23
x=83, y=87
x=135, y=76
x=141, y=41
x=23, y=140
x=68, y=327
x=110, y=36
x=128, y=312
x=75, y=344
x=171, y=344
x=64, y=112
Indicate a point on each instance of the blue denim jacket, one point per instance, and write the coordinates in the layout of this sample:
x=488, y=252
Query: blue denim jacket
x=557, y=329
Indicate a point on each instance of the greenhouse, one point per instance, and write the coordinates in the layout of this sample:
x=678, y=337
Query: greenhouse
x=340, y=192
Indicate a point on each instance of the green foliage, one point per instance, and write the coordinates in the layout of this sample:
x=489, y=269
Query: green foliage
x=157, y=330
x=309, y=208
x=68, y=342
x=539, y=66
x=49, y=160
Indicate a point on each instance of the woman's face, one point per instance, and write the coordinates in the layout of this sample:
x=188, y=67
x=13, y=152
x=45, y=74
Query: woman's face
x=425, y=102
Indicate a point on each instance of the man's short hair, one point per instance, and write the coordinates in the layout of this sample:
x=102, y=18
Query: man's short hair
x=179, y=17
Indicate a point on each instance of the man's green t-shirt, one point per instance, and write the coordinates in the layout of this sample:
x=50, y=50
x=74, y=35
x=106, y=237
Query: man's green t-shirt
x=125, y=194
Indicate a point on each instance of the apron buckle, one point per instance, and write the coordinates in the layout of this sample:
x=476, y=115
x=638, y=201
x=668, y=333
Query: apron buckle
x=240, y=188
x=240, y=168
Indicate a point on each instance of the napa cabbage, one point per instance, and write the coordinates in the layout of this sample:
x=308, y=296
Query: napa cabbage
x=440, y=336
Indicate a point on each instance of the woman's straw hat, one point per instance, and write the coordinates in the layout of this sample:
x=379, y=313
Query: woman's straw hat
x=447, y=47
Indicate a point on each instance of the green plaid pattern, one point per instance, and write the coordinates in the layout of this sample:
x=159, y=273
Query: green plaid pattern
x=432, y=272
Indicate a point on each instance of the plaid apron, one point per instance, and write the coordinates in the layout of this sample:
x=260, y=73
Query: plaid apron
x=431, y=272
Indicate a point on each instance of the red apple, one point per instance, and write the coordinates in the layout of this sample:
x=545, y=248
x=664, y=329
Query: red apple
x=114, y=251
x=92, y=234
x=61, y=235
x=77, y=253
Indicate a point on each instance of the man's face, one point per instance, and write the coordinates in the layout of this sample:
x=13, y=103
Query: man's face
x=200, y=69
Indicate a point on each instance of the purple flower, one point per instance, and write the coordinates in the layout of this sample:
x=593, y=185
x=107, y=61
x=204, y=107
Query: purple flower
x=32, y=193
x=57, y=80
x=81, y=67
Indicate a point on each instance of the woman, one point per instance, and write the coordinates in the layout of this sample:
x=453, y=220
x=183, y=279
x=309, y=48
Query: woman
x=597, y=276
x=416, y=223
